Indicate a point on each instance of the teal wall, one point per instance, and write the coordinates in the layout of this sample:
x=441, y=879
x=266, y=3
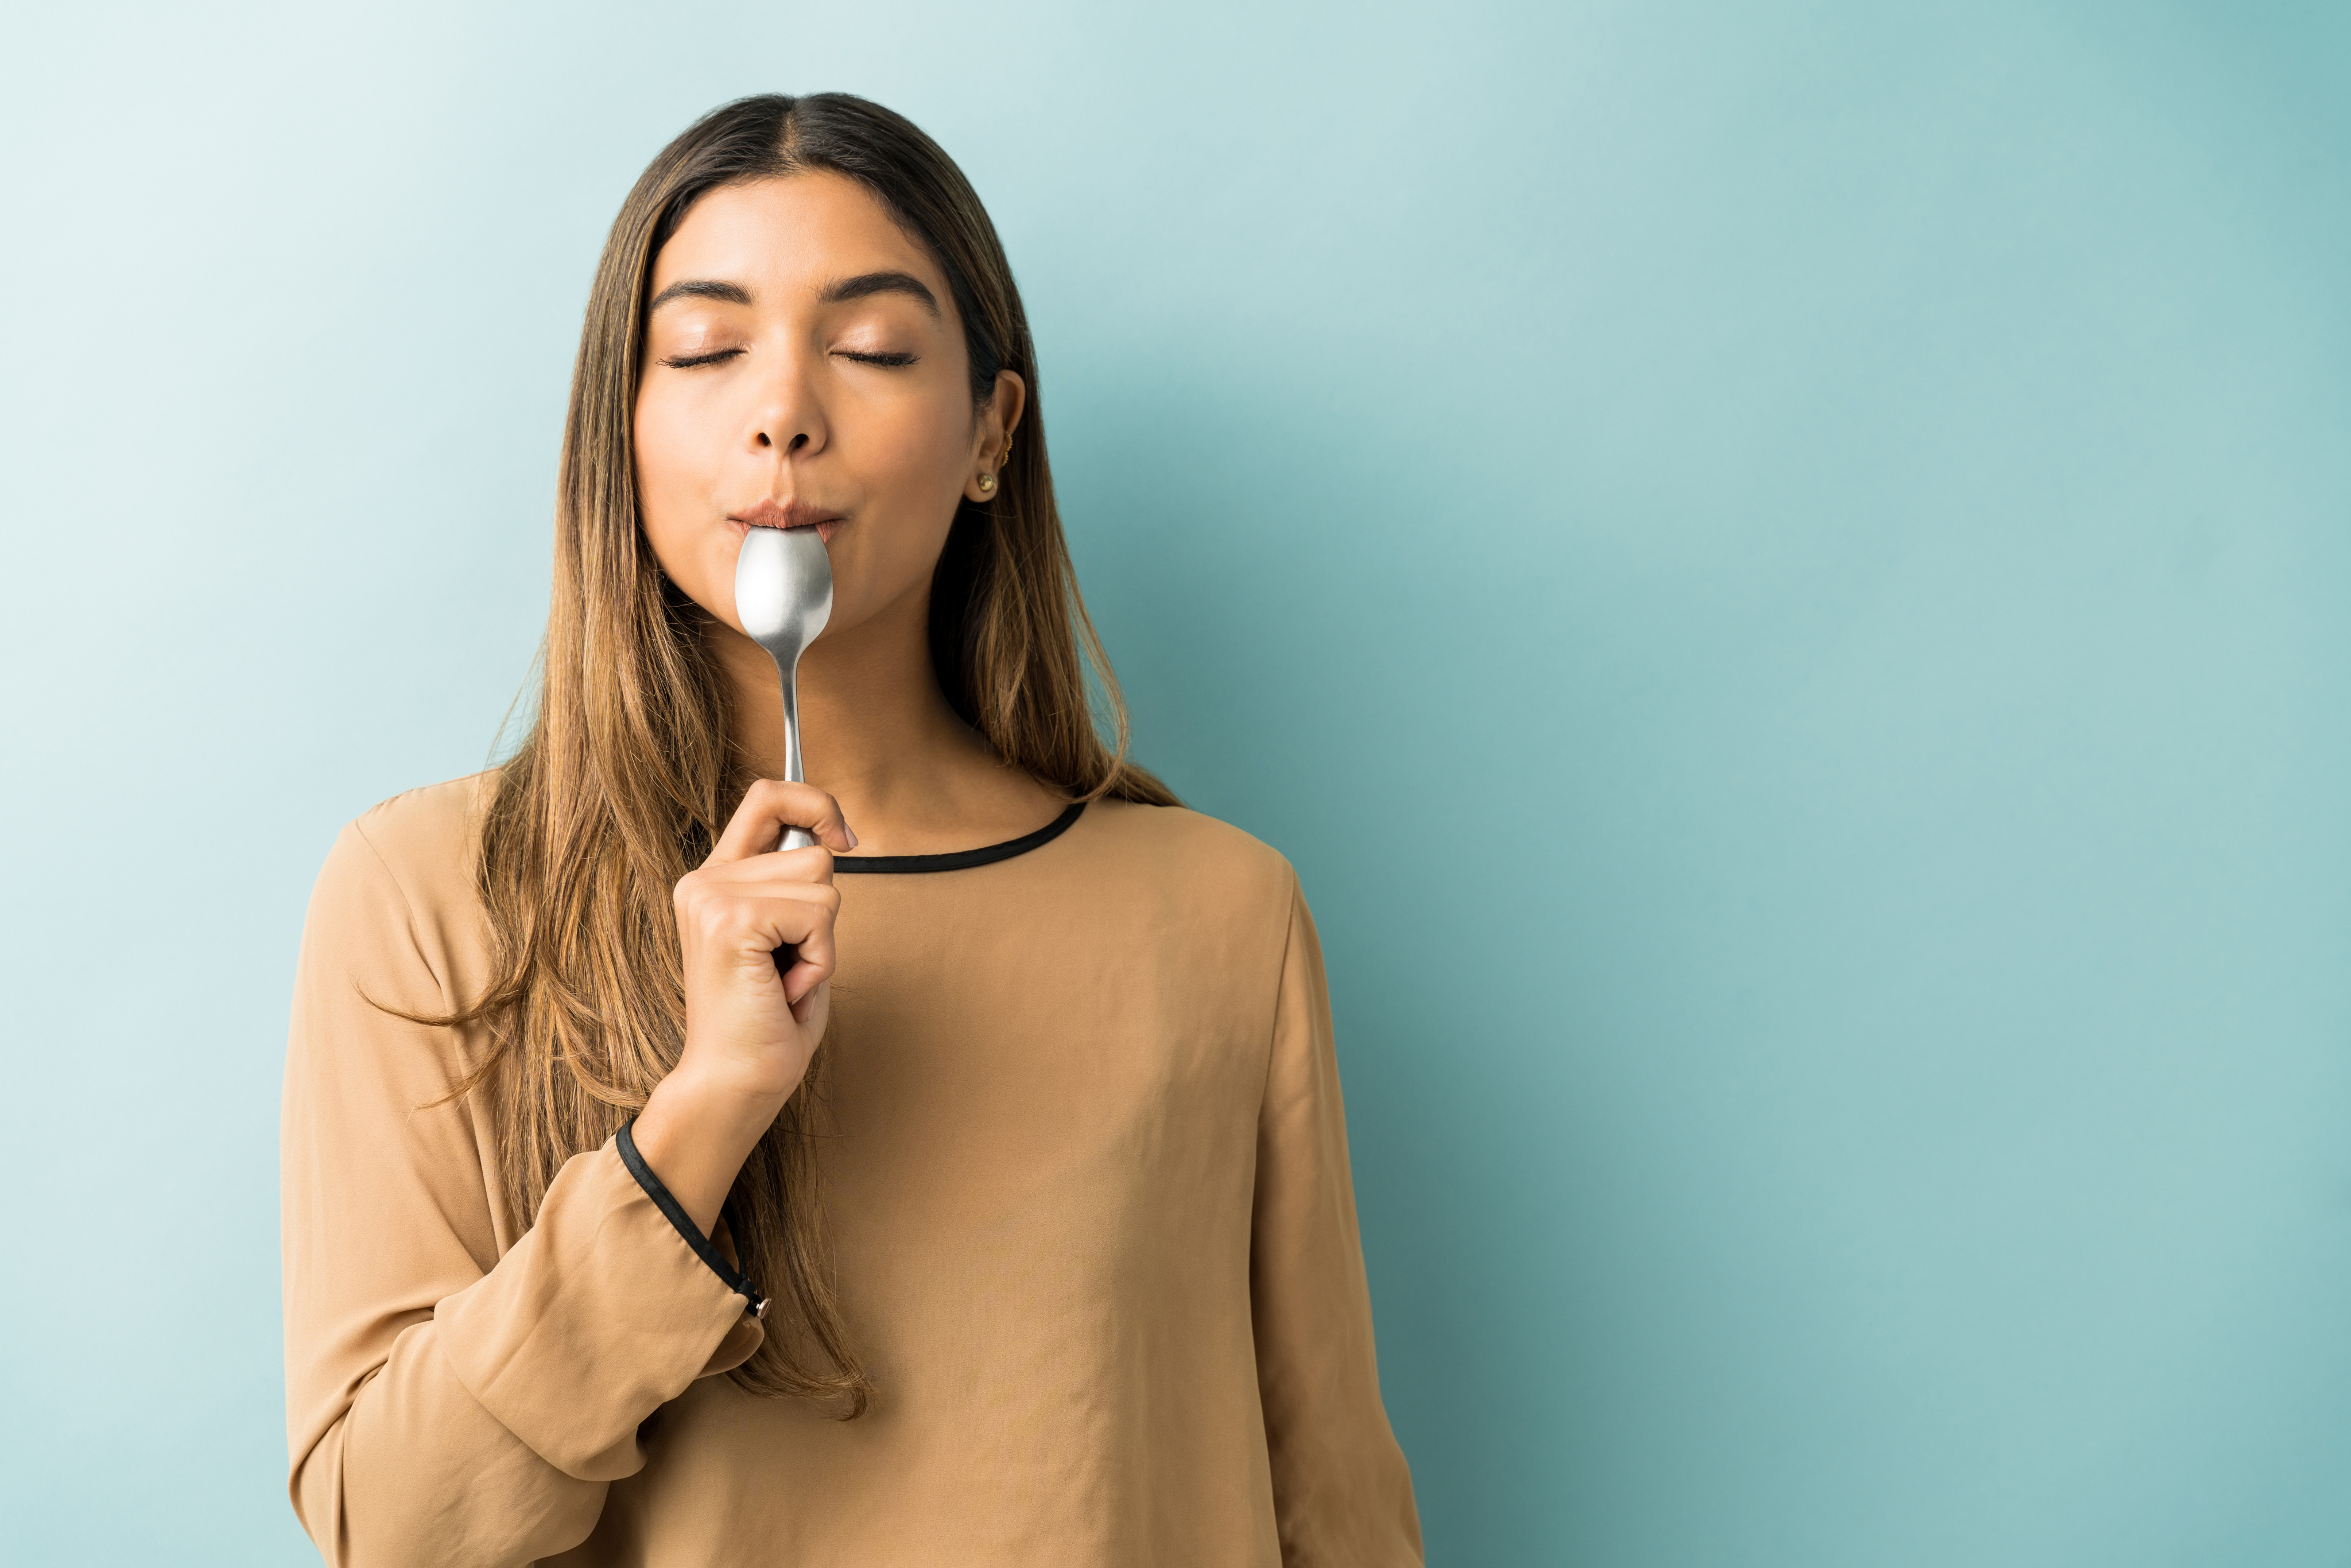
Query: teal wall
x=1780, y=571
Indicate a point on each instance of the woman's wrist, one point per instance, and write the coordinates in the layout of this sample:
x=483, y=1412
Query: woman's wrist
x=694, y=1134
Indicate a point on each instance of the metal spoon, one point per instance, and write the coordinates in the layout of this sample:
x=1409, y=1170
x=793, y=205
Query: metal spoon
x=783, y=596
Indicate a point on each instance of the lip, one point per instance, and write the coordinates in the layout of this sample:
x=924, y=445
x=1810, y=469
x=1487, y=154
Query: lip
x=792, y=514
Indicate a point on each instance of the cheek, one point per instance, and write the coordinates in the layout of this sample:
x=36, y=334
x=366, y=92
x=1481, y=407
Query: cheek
x=917, y=459
x=670, y=473
x=908, y=439
x=929, y=450
x=664, y=456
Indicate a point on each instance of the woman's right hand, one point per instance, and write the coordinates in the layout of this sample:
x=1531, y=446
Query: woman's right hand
x=750, y=1028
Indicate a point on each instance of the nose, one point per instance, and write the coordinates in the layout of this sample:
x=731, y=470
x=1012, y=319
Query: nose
x=790, y=419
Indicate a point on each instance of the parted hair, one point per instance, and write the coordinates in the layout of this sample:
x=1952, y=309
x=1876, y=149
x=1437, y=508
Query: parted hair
x=628, y=771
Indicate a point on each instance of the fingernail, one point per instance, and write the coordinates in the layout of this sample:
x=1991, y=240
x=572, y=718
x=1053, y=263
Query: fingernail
x=850, y=833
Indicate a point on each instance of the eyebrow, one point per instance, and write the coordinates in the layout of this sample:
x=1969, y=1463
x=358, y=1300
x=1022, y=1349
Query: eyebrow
x=700, y=288
x=867, y=284
x=864, y=286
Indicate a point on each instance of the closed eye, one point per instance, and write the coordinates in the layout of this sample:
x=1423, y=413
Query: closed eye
x=687, y=361
x=890, y=360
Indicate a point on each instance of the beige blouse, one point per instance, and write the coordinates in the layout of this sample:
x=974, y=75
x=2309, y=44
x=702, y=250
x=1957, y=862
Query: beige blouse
x=1090, y=1199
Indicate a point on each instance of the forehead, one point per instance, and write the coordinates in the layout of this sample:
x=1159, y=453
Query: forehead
x=790, y=236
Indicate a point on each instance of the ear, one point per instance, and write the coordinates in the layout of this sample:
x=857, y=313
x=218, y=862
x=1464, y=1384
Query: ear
x=998, y=420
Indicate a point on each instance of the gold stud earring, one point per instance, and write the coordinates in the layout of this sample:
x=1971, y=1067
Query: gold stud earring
x=988, y=481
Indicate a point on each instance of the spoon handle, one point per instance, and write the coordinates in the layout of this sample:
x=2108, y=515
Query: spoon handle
x=794, y=838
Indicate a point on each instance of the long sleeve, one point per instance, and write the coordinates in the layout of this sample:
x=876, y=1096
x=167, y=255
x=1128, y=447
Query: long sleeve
x=452, y=1401
x=1342, y=1496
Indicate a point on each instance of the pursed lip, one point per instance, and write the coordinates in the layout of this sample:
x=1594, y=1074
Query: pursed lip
x=792, y=514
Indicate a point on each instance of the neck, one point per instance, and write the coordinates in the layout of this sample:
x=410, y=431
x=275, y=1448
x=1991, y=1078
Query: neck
x=878, y=735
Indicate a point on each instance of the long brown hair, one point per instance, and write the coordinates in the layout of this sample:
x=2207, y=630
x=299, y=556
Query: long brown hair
x=628, y=773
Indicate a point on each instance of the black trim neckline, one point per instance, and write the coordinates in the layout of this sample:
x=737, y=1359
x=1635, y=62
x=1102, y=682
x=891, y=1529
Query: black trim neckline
x=961, y=860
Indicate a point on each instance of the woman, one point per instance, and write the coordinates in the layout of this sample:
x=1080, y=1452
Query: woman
x=591, y=1255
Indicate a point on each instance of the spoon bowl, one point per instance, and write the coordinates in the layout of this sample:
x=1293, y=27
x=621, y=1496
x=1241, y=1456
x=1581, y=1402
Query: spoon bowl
x=783, y=596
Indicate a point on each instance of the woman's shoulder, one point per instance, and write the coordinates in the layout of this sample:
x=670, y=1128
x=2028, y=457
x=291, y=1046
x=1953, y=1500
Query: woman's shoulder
x=431, y=815
x=396, y=905
x=424, y=839
x=1180, y=847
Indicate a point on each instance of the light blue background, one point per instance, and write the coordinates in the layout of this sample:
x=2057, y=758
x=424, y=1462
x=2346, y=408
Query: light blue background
x=1779, y=570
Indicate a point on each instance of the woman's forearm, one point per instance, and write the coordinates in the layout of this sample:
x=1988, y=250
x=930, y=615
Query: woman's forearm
x=695, y=1135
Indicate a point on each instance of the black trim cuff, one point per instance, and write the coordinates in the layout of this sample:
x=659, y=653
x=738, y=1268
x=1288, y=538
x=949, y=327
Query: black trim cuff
x=704, y=1249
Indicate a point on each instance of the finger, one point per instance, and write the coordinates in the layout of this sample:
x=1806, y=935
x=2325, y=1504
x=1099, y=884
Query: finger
x=716, y=919
x=753, y=932
x=806, y=961
x=803, y=966
x=810, y=867
x=800, y=980
x=803, y=962
x=709, y=901
x=810, y=1013
x=769, y=808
